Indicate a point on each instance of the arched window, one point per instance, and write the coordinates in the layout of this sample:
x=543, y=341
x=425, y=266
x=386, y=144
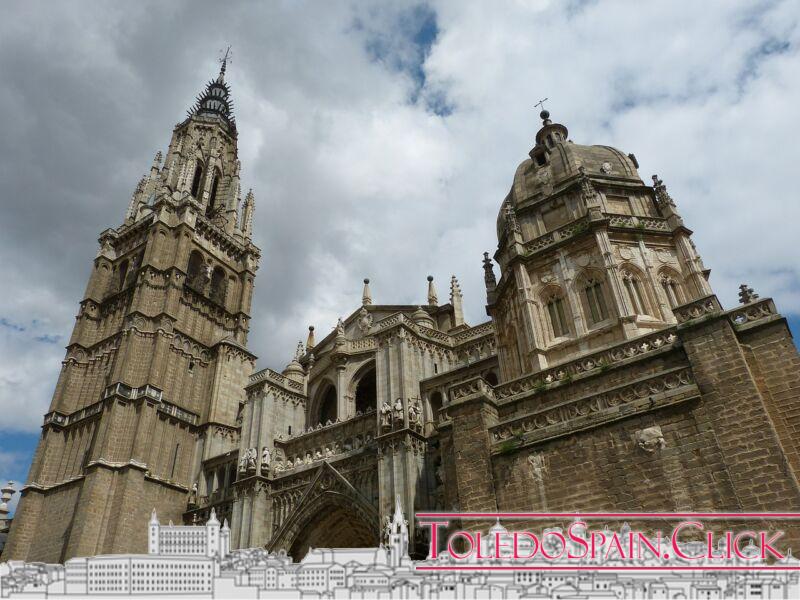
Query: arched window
x=218, y=282
x=491, y=378
x=212, y=196
x=123, y=274
x=366, y=392
x=633, y=287
x=594, y=299
x=197, y=179
x=672, y=289
x=556, y=314
x=327, y=406
x=195, y=270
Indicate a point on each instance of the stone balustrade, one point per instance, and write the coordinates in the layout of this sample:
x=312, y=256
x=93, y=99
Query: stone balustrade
x=275, y=377
x=696, y=309
x=325, y=442
x=128, y=393
x=754, y=311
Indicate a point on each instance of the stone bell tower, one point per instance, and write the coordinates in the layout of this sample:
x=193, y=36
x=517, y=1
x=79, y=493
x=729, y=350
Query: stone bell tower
x=155, y=370
x=589, y=255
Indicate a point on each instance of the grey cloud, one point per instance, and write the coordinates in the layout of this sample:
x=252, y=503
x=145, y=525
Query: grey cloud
x=354, y=173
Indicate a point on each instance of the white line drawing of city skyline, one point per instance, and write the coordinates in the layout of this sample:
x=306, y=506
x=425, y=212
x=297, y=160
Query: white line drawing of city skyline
x=196, y=561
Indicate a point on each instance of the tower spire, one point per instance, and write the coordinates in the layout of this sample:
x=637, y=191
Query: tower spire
x=224, y=61
x=215, y=100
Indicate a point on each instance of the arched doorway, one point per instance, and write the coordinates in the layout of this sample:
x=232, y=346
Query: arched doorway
x=333, y=527
x=331, y=514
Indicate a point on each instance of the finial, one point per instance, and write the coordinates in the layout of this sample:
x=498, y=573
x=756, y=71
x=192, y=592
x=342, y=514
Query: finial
x=512, y=225
x=746, y=294
x=456, y=302
x=544, y=115
x=455, y=287
x=366, y=296
x=310, y=339
x=662, y=196
x=433, y=299
x=224, y=60
x=488, y=273
x=588, y=192
x=248, y=208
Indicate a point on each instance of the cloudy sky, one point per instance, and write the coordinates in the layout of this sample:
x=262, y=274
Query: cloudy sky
x=380, y=139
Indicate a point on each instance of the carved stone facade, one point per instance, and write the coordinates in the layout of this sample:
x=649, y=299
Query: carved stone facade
x=608, y=378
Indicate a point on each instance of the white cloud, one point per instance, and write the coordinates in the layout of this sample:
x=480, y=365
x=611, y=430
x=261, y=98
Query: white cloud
x=355, y=179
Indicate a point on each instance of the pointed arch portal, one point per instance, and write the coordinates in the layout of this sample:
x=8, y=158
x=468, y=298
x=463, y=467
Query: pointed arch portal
x=332, y=514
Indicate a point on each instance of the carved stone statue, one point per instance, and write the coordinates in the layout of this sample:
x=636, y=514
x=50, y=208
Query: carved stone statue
x=243, y=464
x=413, y=414
x=398, y=410
x=265, y=460
x=386, y=415
x=328, y=451
x=252, y=458
x=317, y=455
x=193, y=495
x=364, y=320
x=387, y=529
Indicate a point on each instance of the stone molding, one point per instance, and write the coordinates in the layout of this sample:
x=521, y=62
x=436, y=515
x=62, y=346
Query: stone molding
x=644, y=395
x=596, y=362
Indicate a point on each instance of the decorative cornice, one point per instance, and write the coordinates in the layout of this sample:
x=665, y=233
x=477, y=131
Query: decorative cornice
x=644, y=395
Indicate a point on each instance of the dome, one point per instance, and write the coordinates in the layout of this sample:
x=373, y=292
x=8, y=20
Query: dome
x=554, y=164
x=421, y=317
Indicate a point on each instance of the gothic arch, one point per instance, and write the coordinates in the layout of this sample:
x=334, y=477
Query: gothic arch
x=213, y=193
x=637, y=291
x=591, y=286
x=363, y=388
x=557, y=315
x=194, y=268
x=325, y=405
x=331, y=514
x=218, y=285
x=673, y=286
x=196, y=188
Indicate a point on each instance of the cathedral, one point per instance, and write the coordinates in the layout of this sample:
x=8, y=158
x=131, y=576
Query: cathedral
x=607, y=376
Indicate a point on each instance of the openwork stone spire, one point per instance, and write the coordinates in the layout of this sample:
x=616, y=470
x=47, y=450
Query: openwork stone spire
x=215, y=101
